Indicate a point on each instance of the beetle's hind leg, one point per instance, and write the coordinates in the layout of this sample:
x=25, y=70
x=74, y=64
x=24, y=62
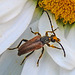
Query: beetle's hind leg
x=26, y=57
x=40, y=56
x=35, y=32
x=18, y=44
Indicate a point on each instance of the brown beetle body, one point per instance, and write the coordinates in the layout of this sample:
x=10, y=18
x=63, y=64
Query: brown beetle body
x=38, y=42
x=30, y=45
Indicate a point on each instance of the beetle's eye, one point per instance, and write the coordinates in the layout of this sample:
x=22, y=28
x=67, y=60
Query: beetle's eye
x=52, y=40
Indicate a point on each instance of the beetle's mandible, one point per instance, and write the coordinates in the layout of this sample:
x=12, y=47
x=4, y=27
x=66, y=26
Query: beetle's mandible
x=38, y=42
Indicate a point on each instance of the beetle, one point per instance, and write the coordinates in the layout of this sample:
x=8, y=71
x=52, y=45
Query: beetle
x=38, y=42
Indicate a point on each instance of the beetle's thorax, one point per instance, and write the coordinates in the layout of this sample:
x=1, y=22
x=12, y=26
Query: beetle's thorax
x=45, y=39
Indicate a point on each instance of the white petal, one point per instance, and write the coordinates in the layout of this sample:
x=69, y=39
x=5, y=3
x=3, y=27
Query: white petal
x=37, y=15
x=30, y=63
x=10, y=61
x=44, y=24
x=71, y=36
x=67, y=72
x=10, y=8
x=17, y=26
x=30, y=67
x=67, y=28
x=60, y=25
x=46, y=65
x=67, y=62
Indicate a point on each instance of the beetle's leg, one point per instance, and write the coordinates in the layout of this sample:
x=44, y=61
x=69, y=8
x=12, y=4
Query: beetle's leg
x=57, y=48
x=18, y=44
x=26, y=57
x=40, y=56
x=35, y=32
x=50, y=31
x=52, y=46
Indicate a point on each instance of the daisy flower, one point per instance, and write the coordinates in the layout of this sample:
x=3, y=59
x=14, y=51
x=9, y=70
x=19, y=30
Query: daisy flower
x=20, y=16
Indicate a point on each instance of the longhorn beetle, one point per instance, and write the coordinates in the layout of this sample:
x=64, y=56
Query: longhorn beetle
x=38, y=42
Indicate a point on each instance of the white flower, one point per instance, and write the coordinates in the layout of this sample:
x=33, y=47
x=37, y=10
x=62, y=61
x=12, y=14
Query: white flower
x=53, y=62
x=47, y=65
x=14, y=23
x=15, y=17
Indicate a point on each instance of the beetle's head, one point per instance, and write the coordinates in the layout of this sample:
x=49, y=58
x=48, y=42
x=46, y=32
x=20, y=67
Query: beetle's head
x=54, y=38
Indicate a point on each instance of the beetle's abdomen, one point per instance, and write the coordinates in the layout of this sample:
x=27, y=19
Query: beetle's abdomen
x=30, y=45
x=25, y=49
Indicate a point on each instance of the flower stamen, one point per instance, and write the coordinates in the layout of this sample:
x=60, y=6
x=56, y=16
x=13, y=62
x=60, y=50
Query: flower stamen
x=63, y=9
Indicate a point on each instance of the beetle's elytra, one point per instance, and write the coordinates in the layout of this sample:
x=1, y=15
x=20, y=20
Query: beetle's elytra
x=38, y=42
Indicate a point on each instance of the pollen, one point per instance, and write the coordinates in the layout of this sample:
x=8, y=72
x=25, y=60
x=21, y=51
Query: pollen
x=62, y=9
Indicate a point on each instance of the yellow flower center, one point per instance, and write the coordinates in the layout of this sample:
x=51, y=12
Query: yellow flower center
x=63, y=9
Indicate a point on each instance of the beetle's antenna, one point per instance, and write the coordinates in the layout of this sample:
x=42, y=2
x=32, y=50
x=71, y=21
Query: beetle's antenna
x=62, y=48
x=50, y=22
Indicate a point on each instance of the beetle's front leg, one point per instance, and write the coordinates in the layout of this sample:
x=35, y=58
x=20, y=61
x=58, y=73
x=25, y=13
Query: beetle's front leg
x=40, y=56
x=18, y=44
x=52, y=46
x=26, y=57
x=50, y=31
x=35, y=32
x=57, y=48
